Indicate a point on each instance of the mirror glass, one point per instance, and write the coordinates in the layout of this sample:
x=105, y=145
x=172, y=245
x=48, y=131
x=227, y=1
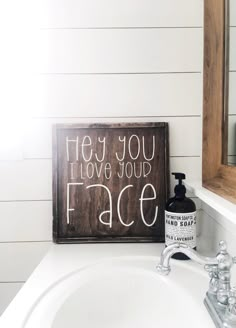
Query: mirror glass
x=231, y=67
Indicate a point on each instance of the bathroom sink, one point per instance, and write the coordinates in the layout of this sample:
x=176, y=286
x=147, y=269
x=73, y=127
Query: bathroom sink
x=124, y=292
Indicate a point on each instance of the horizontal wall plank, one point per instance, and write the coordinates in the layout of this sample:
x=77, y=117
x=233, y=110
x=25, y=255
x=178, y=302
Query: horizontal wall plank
x=25, y=180
x=18, y=260
x=32, y=179
x=8, y=291
x=38, y=134
x=232, y=12
x=120, y=51
x=122, y=13
x=232, y=93
x=232, y=49
x=191, y=166
x=25, y=221
x=117, y=95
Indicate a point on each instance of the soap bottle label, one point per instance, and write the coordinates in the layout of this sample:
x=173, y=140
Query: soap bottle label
x=180, y=227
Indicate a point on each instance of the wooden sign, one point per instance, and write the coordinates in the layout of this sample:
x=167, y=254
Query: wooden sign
x=110, y=182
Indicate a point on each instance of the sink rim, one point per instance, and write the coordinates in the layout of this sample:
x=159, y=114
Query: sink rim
x=122, y=261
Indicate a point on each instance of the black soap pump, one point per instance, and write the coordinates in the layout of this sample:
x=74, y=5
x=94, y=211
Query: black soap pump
x=180, y=218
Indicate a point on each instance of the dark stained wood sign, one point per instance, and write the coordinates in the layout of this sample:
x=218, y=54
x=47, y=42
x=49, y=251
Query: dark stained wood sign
x=110, y=182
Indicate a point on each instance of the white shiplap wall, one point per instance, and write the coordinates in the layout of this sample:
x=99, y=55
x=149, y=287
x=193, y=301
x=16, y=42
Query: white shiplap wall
x=104, y=60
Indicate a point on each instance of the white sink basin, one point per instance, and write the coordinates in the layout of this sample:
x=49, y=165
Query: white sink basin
x=124, y=292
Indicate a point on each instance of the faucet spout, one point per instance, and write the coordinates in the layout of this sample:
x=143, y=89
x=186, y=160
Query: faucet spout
x=164, y=265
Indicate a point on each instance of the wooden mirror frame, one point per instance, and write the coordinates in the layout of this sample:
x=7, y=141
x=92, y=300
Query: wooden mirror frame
x=217, y=177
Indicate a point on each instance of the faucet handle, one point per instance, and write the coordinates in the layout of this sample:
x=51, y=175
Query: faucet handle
x=224, y=259
x=231, y=308
x=223, y=246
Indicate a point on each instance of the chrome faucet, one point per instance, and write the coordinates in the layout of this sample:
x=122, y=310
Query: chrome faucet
x=164, y=265
x=220, y=298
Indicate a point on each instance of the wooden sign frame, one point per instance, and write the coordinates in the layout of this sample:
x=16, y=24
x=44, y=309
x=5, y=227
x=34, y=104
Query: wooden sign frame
x=142, y=196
